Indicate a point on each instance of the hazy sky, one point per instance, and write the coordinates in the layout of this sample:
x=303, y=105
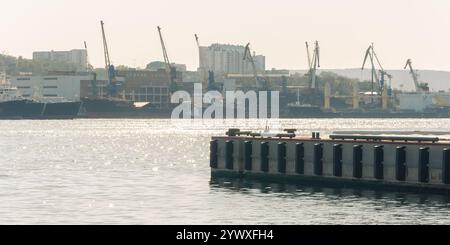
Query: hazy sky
x=401, y=29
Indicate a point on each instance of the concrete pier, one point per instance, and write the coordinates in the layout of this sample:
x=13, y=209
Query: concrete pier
x=418, y=163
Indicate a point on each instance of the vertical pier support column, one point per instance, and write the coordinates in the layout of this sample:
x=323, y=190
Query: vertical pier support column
x=378, y=158
x=213, y=158
x=446, y=166
x=337, y=160
x=281, y=157
x=229, y=161
x=424, y=161
x=357, y=161
x=318, y=156
x=248, y=155
x=400, y=163
x=299, y=158
x=265, y=157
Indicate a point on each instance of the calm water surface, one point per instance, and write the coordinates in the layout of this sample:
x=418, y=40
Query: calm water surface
x=156, y=172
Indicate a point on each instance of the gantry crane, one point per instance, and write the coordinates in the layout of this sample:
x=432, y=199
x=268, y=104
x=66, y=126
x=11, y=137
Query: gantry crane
x=112, y=86
x=171, y=71
x=420, y=87
x=313, y=64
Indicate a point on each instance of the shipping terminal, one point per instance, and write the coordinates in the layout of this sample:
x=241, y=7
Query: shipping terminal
x=124, y=92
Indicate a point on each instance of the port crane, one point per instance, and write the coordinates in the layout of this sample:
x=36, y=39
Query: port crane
x=313, y=64
x=209, y=76
x=112, y=86
x=171, y=71
x=420, y=87
x=249, y=58
x=372, y=56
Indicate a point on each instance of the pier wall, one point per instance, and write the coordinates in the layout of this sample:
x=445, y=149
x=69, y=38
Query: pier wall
x=400, y=163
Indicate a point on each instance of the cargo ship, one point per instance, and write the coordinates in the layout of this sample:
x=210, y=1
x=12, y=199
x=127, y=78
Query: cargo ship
x=14, y=106
x=317, y=112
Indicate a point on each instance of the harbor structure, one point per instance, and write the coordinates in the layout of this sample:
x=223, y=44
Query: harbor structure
x=385, y=160
x=138, y=86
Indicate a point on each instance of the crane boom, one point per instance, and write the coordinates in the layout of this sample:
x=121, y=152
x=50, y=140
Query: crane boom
x=163, y=46
x=371, y=55
x=420, y=87
x=196, y=40
x=87, y=56
x=208, y=76
x=248, y=57
x=171, y=71
x=105, y=46
x=313, y=63
x=366, y=56
x=413, y=73
x=112, y=86
x=308, y=55
x=200, y=63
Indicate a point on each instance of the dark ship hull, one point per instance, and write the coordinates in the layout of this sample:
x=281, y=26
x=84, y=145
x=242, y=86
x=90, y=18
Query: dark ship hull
x=107, y=105
x=319, y=113
x=29, y=109
x=61, y=110
x=117, y=108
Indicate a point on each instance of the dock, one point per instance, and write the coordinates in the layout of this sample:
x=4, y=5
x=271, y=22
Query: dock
x=417, y=163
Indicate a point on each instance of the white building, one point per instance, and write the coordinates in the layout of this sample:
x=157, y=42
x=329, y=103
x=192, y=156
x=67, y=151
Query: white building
x=77, y=57
x=50, y=86
x=225, y=59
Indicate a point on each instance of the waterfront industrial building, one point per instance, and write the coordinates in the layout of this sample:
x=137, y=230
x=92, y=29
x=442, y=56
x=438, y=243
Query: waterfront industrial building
x=138, y=86
x=78, y=58
x=65, y=86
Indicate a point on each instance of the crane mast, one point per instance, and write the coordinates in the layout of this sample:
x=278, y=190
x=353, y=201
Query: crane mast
x=383, y=73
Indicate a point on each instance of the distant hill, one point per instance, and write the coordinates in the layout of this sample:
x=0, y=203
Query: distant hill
x=401, y=79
